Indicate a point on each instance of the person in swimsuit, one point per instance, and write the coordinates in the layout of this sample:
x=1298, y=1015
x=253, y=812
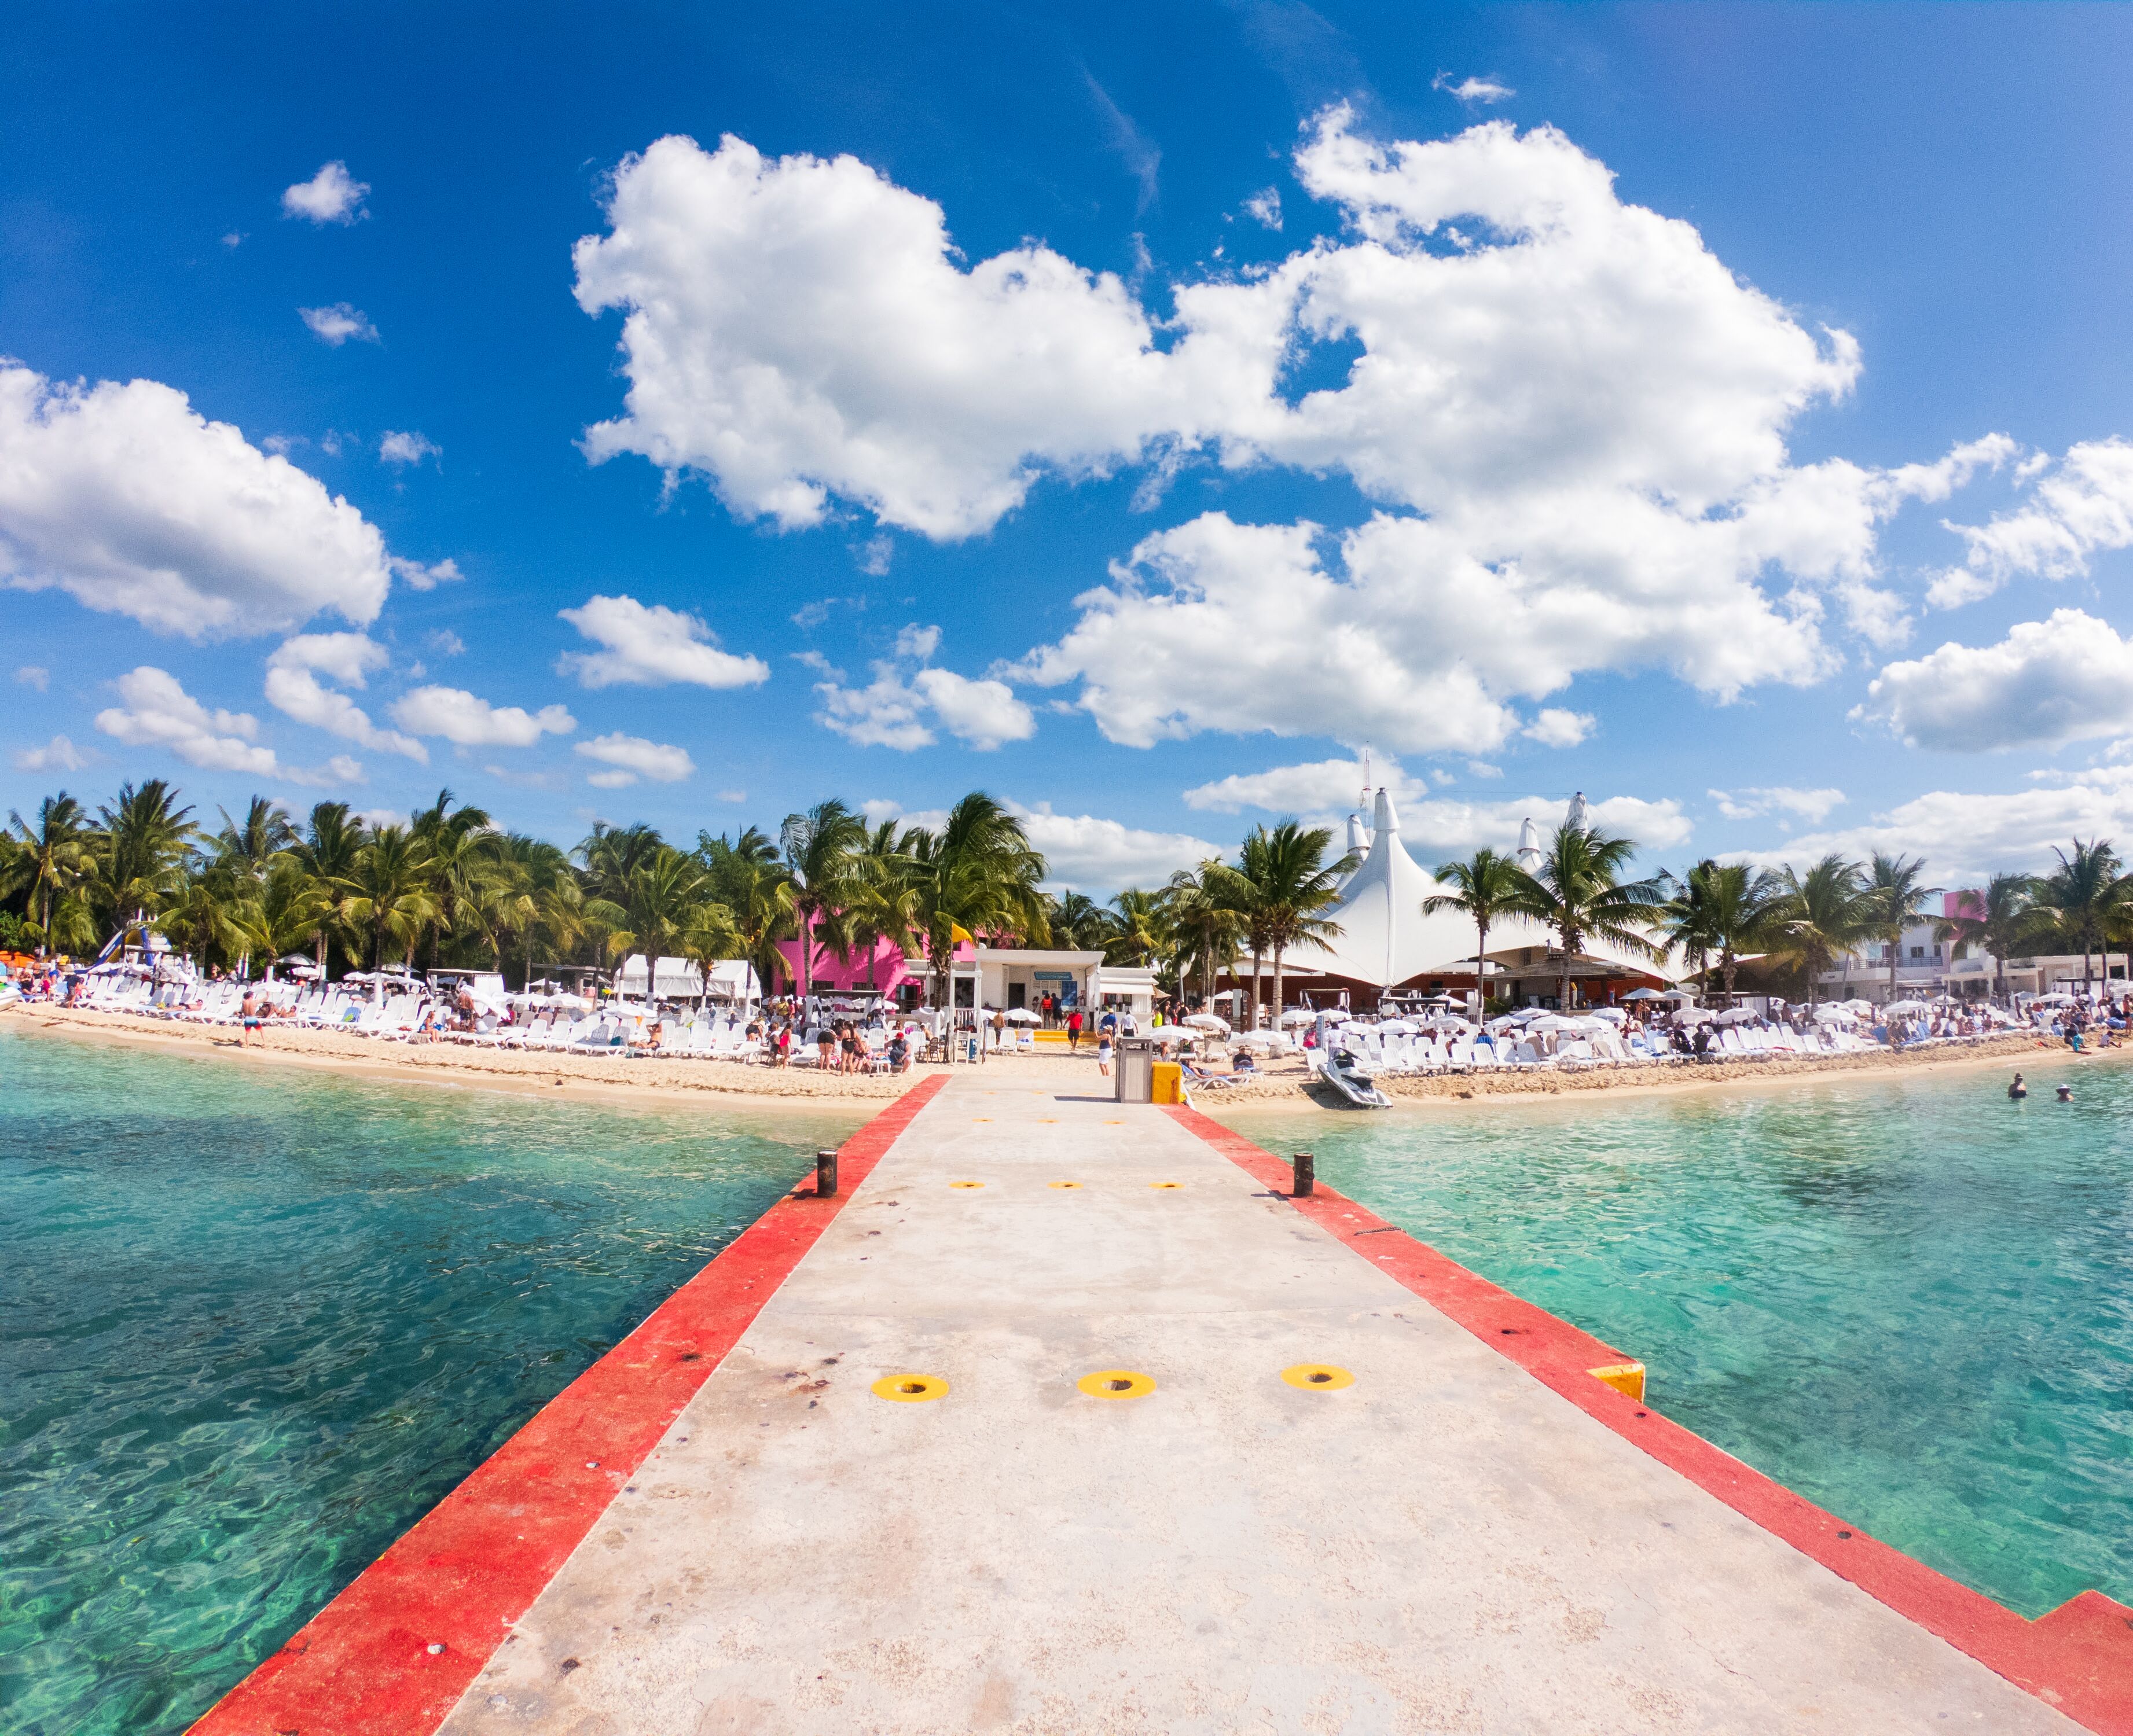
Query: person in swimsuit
x=2017, y=1091
x=248, y=1015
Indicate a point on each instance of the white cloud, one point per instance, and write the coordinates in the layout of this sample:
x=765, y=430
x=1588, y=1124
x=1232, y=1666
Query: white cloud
x=1966, y=836
x=335, y=326
x=892, y=711
x=59, y=754
x=2067, y=679
x=733, y=796
x=1472, y=89
x=458, y=716
x=1554, y=728
x=332, y=195
x=1812, y=806
x=631, y=756
x=1432, y=827
x=649, y=646
x=445, y=642
x=416, y=577
x=294, y=689
x=1083, y=851
x=158, y=712
x=2085, y=505
x=409, y=448
x=800, y=328
x=233, y=238
x=1323, y=787
x=34, y=675
x=129, y=499
x=1264, y=207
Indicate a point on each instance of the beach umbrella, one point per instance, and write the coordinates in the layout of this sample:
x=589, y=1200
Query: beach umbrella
x=1298, y=1015
x=1398, y=1027
x=1020, y=1015
x=1835, y=1015
x=1694, y=1015
x=1547, y=1022
x=1896, y=1009
x=1205, y=1022
x=1644, y=994
x=1611, y=1014
x=1734, y=1016
x=1256, y=1040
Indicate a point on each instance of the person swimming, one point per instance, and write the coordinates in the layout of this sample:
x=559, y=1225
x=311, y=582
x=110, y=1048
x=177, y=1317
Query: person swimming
x=2017, y=1091
x=2066, y=1094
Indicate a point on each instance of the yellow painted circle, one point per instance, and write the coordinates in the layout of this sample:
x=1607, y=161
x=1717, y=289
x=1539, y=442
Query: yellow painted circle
x=1116, y=1383
x=981, y=1118
x=966, y=1184
x=1159, y=1185
x=1065, y=1184
x=910, y=1389
x=1318, y=1377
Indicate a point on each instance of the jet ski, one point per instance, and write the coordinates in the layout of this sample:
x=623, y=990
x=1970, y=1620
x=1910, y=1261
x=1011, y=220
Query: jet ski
x=1347, y=1072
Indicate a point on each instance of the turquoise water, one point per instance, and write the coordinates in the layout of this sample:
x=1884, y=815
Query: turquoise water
x=1911, y=1302
x=255, y=1321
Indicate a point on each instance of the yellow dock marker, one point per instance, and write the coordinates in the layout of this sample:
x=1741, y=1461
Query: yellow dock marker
x=1318, y=1377
x=909, y=1389
x=1116, y=1383
x=1627, y=1378
x=1065, y=1184
x=1166, y=1183
x=966, y=1184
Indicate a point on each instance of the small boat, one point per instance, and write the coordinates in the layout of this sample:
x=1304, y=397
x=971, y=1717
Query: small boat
x=1348, y=1074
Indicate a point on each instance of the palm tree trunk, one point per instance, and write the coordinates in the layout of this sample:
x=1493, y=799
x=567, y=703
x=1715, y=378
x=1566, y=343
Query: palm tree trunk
x=1277, y=989
x=1256, y=956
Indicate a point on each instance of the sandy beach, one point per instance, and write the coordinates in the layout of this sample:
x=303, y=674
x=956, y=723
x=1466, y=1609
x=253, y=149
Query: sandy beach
x=1284, y=1083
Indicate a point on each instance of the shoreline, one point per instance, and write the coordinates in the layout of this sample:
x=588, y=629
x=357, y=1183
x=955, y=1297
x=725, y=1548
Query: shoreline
x=672, y=1082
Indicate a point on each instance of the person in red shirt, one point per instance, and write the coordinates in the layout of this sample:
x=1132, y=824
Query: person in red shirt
x=1074, y=1031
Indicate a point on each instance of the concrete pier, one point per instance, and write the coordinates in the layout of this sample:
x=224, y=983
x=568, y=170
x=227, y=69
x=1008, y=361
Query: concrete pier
x=1439, y=1543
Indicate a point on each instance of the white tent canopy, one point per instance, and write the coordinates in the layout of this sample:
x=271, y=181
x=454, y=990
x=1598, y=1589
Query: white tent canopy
x=1385, y=937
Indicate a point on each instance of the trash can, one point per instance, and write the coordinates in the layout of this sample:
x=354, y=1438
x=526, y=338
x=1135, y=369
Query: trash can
x=1133, y=1068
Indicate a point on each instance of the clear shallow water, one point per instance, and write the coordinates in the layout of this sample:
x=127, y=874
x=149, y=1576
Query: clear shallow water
x=1911, y=1302
x=255, y=1321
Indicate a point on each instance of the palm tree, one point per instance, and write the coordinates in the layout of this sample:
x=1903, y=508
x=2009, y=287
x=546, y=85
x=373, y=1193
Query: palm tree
x=1292, y=888
x=531, y=893
x=249, y=846
x=327, y=849
x=1579, y=892
x=882, y=904
x=2006, y=923
x=1899, y=901
x=1138, y=930
x=141, y=851
x=388, y=892
x=1079, y=922
x=1820, y=916
x=819, y=847
x=977, y=873
x=462, y=848
x=53, y=856
x=1485, y=888
x=1201, y=911
x=1724, y=908
x=2083, y=897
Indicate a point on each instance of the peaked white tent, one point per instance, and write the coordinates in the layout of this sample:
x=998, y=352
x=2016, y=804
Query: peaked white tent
x=1386, y=940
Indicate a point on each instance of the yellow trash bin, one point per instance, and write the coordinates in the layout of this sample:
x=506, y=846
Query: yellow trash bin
x=1165, y=1083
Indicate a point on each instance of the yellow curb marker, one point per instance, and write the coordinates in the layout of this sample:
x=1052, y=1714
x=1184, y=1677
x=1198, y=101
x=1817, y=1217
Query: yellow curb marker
x=1116, y=1383
x=1318, y=1377
x=1166, y=1183
x=909, y=1389
x=1627, y=1378
x=966, y=1184
x=1065, y=1184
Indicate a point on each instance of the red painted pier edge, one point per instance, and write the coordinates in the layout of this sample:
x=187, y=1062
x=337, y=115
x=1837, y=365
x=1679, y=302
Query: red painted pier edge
x=2078, y=1658
x=392, y=1655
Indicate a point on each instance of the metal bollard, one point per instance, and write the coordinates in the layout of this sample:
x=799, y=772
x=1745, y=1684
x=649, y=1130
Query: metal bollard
x=1306, y=1172
x=825, y=1175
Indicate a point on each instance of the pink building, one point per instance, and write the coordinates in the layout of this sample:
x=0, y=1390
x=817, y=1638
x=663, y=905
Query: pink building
x=883, y=968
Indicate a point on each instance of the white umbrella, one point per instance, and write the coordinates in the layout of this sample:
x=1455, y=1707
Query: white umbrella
x=1835, y=1015
x=1020, y=1015
x=1256, y=1040
x=1644, y=994
x=1735, y=1016
x=1299, y=1016
x=1399, y=1027
x=1549, y=1021
x=1611, y=1014
x=1896, y=1008
x=1207, y=1021
x=1693, y=1016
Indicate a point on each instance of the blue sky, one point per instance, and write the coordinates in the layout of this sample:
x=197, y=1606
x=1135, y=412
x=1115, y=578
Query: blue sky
x=1528, y=480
